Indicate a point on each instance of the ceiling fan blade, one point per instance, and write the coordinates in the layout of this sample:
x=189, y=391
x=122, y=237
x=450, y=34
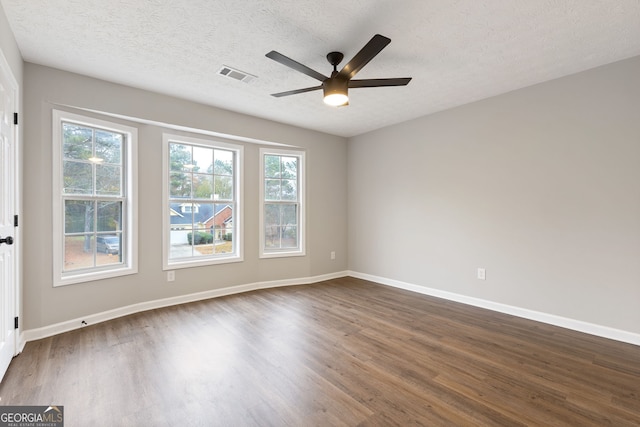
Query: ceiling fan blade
x=296, y=91
x=366, y=54
x=284, y=60
x=379, y=82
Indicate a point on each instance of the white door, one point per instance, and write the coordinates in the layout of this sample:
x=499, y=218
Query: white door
x=8, y=264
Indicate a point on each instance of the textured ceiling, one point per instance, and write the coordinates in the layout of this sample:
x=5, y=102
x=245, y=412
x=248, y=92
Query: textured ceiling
x=457, y=51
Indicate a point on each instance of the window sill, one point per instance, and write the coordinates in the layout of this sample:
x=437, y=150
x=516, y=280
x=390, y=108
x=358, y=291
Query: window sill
x=72, y=279
x=282, y=254
x=188, y=263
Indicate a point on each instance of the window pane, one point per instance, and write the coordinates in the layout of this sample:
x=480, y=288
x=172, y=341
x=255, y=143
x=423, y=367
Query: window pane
x=202, y=241
x=79, y=252
x=202, y=186
x=224, y=247
x=289, y=214
x=271, y=166
x=179, y=243
x=223, y=233
x=223, y=162
x=289, y=167
x=78, y=216
x=202, y=160
x=108, y=181
x=77, y=178
x=272, y=189
x=180, y=157
x=272, y=225
x=108, y=259
x=283, y=227
x=186, y=215
x=200, y=237
x=202, y=214
x=180, y=185
x=108, y=249
x=77, y=141
x=223, y=188
x=289, y=189
x=272, y=213
x=109, y=216
x=109, y=146
x=272, y=237
x=222, y=224
x=223, y=229
x=289, y=237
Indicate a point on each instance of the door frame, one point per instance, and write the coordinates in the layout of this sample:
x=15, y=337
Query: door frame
x=17, y=186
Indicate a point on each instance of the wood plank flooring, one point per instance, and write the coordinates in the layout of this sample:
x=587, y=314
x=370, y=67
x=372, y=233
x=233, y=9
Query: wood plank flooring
x=344, y=352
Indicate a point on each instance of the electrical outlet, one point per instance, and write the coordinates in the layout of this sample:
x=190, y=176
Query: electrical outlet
x=171, y=276
x=482, y=274
x=333, y=255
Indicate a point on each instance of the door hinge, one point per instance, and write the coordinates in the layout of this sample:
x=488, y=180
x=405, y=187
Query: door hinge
x=15, y=322
x=15, y=220
x=15, y=118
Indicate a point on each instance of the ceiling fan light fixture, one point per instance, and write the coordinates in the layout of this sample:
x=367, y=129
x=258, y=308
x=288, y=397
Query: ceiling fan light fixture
x=335, y=92
x=336, y=99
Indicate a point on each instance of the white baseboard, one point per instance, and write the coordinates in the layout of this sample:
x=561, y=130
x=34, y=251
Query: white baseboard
x=92, y=319
x=551, y=319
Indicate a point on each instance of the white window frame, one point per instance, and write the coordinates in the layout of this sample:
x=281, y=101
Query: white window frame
x=129, y=263
x=238, y=217
x=286, y=252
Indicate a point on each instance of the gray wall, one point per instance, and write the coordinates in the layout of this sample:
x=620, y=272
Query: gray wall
x=540, y=186
x=47, y=88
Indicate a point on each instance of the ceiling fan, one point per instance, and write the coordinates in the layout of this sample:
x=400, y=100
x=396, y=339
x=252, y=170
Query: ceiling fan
x=336, y=87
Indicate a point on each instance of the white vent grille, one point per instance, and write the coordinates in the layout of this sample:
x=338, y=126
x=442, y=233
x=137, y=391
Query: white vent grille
x=236, y=74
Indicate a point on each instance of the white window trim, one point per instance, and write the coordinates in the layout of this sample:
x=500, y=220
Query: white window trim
x=130, y=228
x=302, y=219
x=238, y=214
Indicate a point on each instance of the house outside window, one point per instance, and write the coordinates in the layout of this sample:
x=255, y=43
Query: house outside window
x=202, y=188
x=94, y=186
x=282, y=214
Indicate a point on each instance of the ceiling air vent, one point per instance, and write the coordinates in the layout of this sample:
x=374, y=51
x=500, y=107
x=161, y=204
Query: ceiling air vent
x=236, y=74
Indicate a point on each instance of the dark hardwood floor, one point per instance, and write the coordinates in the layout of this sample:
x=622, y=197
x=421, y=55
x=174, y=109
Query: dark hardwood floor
x=342, y=352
